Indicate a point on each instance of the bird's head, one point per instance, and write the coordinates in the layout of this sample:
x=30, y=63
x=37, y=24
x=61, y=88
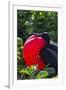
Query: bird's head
x=44, y=35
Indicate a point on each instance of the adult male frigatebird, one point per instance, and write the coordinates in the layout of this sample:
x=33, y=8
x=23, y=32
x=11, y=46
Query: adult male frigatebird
x=40, y=50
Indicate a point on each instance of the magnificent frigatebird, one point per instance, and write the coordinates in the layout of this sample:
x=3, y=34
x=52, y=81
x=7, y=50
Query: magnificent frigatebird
x=39, y=49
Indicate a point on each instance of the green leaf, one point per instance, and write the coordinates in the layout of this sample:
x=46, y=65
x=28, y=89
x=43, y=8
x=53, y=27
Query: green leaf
x=42, y=74
x=51, y=71
x=19, y=41
x=24, y=71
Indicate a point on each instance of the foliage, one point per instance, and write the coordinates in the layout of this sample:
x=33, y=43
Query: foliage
x=29, y=21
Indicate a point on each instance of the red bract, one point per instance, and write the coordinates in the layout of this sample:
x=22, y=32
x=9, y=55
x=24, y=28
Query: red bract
x=31, y=51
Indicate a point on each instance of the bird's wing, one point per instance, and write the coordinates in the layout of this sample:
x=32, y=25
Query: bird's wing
x=49, y=55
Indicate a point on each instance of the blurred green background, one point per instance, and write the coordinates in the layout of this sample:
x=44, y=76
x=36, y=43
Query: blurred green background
x=37, y=21
x=29, y=21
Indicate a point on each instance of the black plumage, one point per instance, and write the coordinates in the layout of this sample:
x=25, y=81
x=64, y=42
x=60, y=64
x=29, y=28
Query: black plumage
x=49, y=55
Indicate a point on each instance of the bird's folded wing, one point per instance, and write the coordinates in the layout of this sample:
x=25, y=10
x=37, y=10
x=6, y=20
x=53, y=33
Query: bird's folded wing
x=49, y=55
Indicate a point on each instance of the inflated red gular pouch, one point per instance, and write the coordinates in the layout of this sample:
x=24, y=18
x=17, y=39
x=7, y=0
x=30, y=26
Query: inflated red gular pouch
x=31, y=51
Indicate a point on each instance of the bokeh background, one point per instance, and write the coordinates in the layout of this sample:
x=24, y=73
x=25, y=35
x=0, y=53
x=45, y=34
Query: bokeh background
x=29, y=21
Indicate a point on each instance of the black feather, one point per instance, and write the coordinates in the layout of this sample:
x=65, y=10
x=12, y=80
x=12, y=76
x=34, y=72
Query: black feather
x=49, y=55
